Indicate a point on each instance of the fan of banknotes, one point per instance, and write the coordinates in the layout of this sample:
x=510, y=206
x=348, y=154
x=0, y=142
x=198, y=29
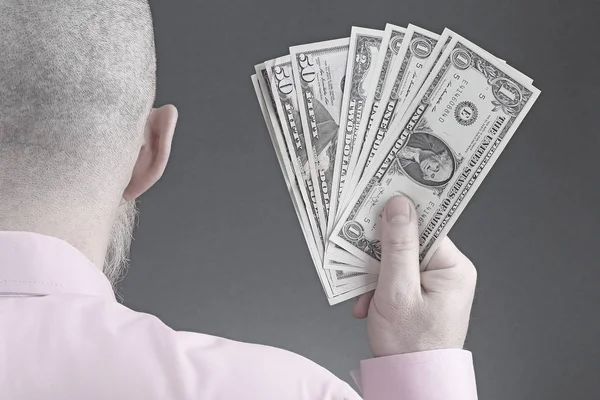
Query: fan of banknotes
x=358, y=120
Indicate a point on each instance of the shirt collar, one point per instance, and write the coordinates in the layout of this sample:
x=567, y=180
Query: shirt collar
x=35, y=264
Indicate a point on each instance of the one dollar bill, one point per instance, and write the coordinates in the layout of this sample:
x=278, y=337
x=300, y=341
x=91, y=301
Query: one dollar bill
x=360, y=71
x=440, y=151
x=417, y=47
x=389, y=50
x=406, y=74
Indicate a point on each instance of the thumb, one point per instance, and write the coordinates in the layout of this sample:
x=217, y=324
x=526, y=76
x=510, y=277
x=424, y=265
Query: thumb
x=399, y=273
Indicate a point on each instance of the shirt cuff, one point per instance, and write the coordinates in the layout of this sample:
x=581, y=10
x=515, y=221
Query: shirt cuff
x=429, y=375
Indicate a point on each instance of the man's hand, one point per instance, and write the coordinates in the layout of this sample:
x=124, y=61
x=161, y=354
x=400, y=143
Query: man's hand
x=410, y=310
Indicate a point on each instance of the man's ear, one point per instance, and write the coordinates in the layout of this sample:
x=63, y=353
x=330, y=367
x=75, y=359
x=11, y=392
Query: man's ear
x=155, y=151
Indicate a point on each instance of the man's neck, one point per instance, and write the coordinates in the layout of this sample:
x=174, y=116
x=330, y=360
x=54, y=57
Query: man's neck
x=88, y=235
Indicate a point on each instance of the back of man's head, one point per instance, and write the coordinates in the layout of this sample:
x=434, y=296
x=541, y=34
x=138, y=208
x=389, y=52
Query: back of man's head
x=77, y=83
x=77, y=78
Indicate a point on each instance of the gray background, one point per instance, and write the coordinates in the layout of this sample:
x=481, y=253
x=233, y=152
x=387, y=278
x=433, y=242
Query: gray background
x=219, y=249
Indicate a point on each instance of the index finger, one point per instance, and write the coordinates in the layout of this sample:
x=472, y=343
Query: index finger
x=446, y=256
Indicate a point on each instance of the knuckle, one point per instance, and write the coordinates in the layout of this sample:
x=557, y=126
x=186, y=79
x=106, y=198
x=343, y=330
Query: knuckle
x=470, y=273
x=401, y=242
x=390, y=302
x=393, y=311
x=464, y=275
x=395, y=306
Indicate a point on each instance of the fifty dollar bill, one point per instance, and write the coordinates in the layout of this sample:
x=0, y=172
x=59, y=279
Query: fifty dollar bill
x=282, y=85
x=339, y=286
x=319, y=70
x=286, y=168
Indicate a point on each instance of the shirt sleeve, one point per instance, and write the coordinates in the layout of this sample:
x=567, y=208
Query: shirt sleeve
x=430, y=375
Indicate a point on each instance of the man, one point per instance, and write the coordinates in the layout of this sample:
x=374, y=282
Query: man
x=427, y=159
x=79, y=142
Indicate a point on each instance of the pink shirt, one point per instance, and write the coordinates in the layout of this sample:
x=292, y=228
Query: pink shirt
x=64, y=336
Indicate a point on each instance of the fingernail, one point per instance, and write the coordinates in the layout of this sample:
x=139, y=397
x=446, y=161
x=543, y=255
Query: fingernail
x=398, y=210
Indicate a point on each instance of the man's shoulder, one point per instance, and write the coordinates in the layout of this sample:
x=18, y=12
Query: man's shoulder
x=137, y=354
x=237, y=368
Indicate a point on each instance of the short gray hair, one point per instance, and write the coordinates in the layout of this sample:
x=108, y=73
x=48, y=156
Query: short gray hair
x=75, y=73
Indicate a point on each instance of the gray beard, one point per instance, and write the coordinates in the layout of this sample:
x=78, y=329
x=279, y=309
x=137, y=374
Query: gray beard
x=119, y=245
